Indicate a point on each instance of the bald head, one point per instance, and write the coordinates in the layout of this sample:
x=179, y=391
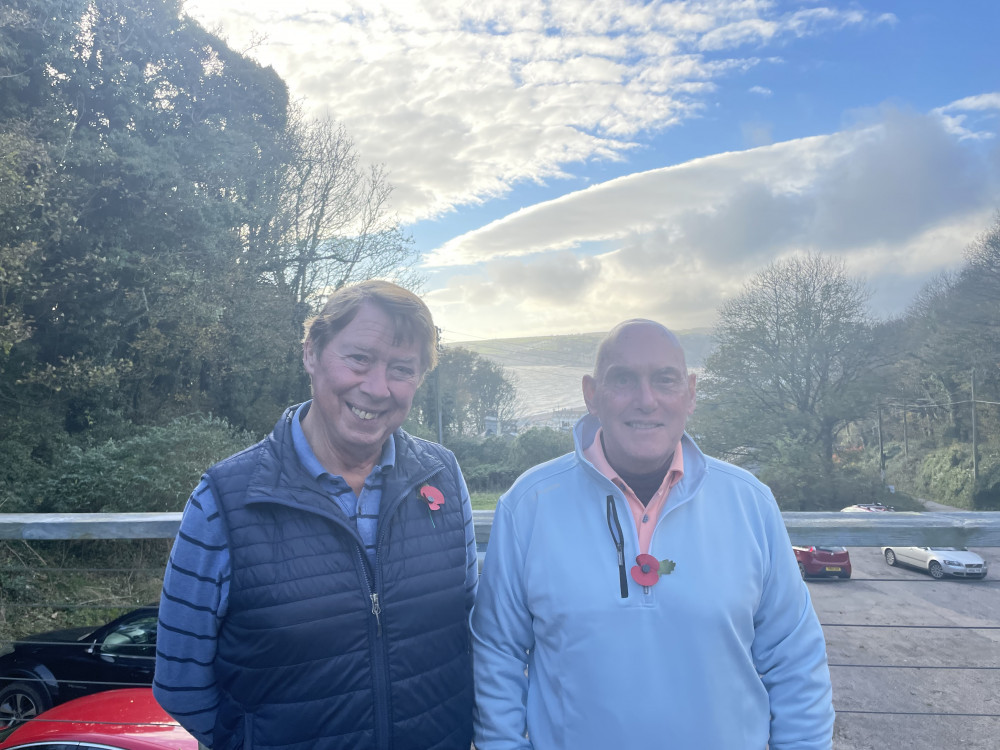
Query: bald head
x=642, y=394
x=607, y=349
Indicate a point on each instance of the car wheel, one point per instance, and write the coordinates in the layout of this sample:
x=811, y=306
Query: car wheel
x=890, y=557
x=19, y=702
x=935, y=570
x=802, y=571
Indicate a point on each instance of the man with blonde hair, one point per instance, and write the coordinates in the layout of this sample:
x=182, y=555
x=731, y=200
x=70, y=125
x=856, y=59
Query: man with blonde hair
x=318, y=592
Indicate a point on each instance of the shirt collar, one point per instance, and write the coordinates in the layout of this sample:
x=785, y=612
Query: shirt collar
x=595, y=454
x=305, y=452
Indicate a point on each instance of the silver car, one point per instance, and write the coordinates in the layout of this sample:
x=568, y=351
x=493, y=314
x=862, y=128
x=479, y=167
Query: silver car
x=938, y=561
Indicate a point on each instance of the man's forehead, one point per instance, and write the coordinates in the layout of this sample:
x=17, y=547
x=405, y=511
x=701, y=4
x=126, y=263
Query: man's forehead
x=641, y=345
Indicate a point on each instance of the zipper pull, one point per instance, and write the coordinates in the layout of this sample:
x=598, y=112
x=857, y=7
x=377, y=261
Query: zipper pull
x=377, y=610
x=622, y=580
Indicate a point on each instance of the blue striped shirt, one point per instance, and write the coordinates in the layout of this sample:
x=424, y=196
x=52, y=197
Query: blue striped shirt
x=195, y=595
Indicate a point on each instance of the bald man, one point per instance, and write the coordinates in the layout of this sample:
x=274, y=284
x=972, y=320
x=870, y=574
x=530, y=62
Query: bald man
x=639, y=594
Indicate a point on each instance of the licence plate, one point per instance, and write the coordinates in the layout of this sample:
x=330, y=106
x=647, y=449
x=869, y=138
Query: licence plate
x=832, y=569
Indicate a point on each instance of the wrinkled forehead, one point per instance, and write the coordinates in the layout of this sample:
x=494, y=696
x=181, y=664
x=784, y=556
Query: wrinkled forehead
x=640, y=345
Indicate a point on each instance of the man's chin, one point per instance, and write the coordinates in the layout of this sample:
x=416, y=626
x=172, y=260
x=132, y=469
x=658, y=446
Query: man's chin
x=654, y=456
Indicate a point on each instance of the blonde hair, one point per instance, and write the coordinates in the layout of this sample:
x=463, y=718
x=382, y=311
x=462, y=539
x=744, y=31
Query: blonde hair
x=411, y=319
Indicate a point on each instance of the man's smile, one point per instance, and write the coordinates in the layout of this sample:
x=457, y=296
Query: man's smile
x=363, y=414
x=643, y=425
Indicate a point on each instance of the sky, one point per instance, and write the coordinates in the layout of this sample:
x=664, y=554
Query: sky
x=563, y=166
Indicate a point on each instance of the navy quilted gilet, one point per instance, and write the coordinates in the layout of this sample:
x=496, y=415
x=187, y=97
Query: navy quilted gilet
x=303, y=663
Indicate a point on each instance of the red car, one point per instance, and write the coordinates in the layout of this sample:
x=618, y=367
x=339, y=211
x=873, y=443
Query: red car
x=129, y=719
x=823, y=561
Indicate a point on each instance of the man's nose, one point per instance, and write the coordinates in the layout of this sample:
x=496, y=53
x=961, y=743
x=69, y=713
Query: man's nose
x=376, y=383
x=645, y=395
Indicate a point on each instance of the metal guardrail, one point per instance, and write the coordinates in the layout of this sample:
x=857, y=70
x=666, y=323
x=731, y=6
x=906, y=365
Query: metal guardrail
x=965, y=529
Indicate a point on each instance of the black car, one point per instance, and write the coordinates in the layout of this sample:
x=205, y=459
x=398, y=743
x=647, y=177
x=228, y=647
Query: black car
x=49, y=668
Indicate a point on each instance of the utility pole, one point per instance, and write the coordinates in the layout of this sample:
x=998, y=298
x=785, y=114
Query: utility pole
x=975, y=447
x=906, y=442
x=881, y=448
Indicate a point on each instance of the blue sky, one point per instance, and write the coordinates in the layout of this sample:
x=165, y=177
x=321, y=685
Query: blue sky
x=563, y=166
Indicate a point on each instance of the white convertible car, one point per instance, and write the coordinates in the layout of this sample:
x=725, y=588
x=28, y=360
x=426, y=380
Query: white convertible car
x=938, y=561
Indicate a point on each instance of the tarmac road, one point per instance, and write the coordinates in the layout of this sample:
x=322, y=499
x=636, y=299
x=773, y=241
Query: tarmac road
x=924, y=671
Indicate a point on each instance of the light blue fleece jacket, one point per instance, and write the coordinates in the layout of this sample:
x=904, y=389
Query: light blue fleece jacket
x=724, y=653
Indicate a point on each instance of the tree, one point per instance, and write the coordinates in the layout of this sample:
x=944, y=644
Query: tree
x=950, y=336
x=951, y=329
x=473, y=389
x=164, y=157
x=337, y=224
x=795, y=348
x=24, y=169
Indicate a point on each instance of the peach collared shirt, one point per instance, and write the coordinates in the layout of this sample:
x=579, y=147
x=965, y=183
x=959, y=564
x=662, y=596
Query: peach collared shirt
x=644, y=516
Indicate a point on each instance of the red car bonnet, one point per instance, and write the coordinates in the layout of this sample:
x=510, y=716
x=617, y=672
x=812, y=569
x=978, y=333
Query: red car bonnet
x=130, y=719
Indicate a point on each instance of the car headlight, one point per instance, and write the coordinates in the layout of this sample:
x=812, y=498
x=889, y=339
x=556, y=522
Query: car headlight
x=953, y=564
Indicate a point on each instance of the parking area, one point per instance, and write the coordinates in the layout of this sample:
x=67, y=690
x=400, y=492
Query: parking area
x=915, y=661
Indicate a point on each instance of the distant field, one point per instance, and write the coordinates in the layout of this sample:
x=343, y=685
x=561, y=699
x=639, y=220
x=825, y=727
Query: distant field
x=484, y=500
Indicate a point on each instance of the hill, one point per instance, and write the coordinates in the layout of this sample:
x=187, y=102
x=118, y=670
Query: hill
x=574, y=350
x=548, y=369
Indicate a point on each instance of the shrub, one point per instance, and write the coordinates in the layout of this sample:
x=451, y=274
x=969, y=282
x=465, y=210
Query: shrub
x=946, y=476
x=152, y=470
x=540, y=444
x=986, y=492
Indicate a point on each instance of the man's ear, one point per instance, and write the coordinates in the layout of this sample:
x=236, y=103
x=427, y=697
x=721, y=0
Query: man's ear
x=308, y=356
x=590, y=393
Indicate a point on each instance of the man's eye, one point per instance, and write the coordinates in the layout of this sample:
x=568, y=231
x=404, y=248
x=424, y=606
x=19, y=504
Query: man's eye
x=361, y=359
x=404, y=373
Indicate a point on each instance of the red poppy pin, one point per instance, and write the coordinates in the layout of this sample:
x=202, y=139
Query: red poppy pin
x=647, y=570
x=434, y=498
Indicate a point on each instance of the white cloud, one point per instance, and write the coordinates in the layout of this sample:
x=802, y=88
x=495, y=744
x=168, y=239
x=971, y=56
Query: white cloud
x=898, y=200
x=462, y=100
x=973, y=117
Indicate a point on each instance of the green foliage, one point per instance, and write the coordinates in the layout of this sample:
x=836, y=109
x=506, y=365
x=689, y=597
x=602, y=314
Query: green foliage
x=801, y=481
x=540, y=444
x=166, y=227
x=986, y=492
x=476, y=451
x=947, y=473
x=492, y=464
x=490, y=477
x=469, y=390
x=794, y=352
x=794, y=367
x=153, y=470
